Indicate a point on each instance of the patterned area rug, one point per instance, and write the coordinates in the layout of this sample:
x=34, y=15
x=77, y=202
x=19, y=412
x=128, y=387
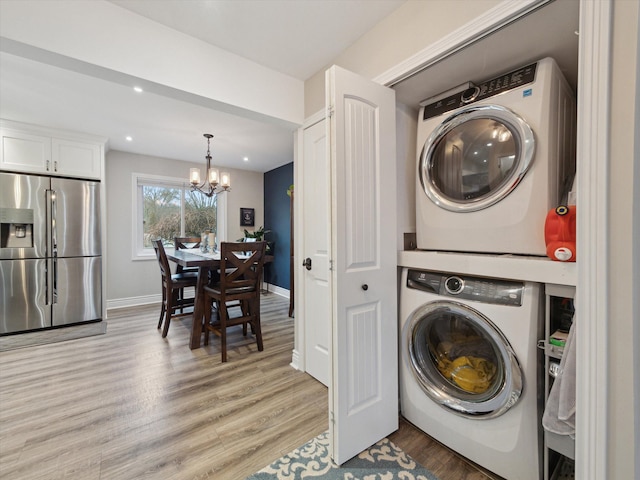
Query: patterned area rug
x=383, y=461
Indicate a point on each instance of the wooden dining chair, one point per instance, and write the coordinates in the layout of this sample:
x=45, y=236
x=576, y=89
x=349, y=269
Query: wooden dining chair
x=173, y=286
x=182, y=243
x=241, y=267
x=192, y=242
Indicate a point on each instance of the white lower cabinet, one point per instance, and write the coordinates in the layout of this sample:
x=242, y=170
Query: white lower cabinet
x=47, y=151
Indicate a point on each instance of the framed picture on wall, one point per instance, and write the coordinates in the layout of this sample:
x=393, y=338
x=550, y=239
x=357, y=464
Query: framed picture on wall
x=247, y=217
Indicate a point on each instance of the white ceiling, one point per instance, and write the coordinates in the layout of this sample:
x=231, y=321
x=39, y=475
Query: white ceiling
x=295, y=37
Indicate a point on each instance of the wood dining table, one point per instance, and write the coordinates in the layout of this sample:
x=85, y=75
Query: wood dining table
x=204, y=262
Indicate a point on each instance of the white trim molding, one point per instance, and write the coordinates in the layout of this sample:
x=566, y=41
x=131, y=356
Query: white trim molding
x=295, y=360
x=276, y=290
x=222, y=230
x=592, y=295
x=133, y=301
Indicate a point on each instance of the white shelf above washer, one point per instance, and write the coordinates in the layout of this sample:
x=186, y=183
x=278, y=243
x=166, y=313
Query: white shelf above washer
x=514, y=267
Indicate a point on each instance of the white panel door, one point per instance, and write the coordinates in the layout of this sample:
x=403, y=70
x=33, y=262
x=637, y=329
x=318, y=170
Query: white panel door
x=363, y=392
x=317, y=297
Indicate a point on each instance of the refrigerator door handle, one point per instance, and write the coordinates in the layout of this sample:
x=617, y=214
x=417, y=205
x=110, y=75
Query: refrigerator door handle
x=55, y=280
x=46, y=283
x=54, y=228
x=54, y=247
x=48, y=269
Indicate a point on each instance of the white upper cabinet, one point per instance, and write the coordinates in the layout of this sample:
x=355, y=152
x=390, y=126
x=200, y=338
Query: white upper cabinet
x=25, y=152
x=76, y=159
x=37, y=150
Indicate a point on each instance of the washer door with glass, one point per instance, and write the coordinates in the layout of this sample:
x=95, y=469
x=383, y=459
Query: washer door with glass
x=475, y=158
x=461, y=360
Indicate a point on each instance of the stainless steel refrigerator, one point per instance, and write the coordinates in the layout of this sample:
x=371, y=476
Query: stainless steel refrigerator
x=50, y=252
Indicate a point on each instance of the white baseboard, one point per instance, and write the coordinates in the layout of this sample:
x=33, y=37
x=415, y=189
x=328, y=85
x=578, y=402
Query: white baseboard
x=283, y=292
x=295, y=359
x=133, y=301
x=157, y=298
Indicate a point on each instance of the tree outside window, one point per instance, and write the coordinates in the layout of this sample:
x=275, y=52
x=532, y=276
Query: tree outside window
x=170, y=212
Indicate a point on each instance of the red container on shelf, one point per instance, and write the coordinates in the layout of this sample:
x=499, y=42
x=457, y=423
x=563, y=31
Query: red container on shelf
x=560, y=233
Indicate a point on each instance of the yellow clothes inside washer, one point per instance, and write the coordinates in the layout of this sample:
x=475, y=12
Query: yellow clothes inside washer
x=472, y=374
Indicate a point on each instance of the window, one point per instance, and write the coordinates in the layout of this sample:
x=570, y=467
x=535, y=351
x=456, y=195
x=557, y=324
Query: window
x=167, y=208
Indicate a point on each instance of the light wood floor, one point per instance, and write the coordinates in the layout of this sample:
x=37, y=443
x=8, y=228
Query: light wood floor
x=132, y=405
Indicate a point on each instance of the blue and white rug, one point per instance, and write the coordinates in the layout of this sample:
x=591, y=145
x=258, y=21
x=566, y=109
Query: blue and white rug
x=382, y=461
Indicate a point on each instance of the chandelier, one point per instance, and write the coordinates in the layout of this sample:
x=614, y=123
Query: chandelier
x=214, y=183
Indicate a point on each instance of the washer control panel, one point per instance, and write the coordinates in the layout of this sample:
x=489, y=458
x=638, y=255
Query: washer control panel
x=508, y=81
x=466, y=287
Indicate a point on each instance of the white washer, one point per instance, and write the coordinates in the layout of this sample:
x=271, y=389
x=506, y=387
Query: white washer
x=470, y=369
x=493, y=160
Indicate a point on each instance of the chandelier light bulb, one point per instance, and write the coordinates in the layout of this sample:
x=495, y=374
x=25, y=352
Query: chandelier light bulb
x=226, y=180
x=194, y=175
x=213, y=176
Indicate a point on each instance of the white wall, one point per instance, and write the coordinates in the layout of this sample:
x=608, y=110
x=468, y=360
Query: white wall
x=623, y=321
x=406, y=144
x=131, y=282
x=247, y=191
x=407, y=31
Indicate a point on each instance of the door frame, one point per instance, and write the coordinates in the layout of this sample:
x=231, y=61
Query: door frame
x=593, y=145
x=298, y=360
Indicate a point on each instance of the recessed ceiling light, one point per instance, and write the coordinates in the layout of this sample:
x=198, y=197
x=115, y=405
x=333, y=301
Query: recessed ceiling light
x=138, y=89
x=246, y=159
x=128, y=138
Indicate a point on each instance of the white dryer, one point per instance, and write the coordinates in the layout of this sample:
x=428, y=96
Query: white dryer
x=470, y=369
x=492, y=161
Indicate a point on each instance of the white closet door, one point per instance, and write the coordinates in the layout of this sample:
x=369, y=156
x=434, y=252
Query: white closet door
x=363, y=391
x=317, y=297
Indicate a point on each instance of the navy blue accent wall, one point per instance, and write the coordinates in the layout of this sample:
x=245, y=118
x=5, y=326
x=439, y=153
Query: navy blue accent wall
x=277, y=219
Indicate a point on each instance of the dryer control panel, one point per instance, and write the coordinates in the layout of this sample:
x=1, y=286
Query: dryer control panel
x=479, y=289
x=503, y=83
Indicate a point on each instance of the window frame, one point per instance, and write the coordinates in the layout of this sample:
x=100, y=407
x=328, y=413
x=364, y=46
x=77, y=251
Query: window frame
x=138, y=180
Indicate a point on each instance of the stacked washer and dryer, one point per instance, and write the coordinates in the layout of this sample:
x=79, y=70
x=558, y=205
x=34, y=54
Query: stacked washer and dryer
x=492, y=161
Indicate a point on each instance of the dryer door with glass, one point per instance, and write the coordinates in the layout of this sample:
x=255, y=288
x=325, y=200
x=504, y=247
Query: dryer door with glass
x=475, y=158
x=461, y=359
